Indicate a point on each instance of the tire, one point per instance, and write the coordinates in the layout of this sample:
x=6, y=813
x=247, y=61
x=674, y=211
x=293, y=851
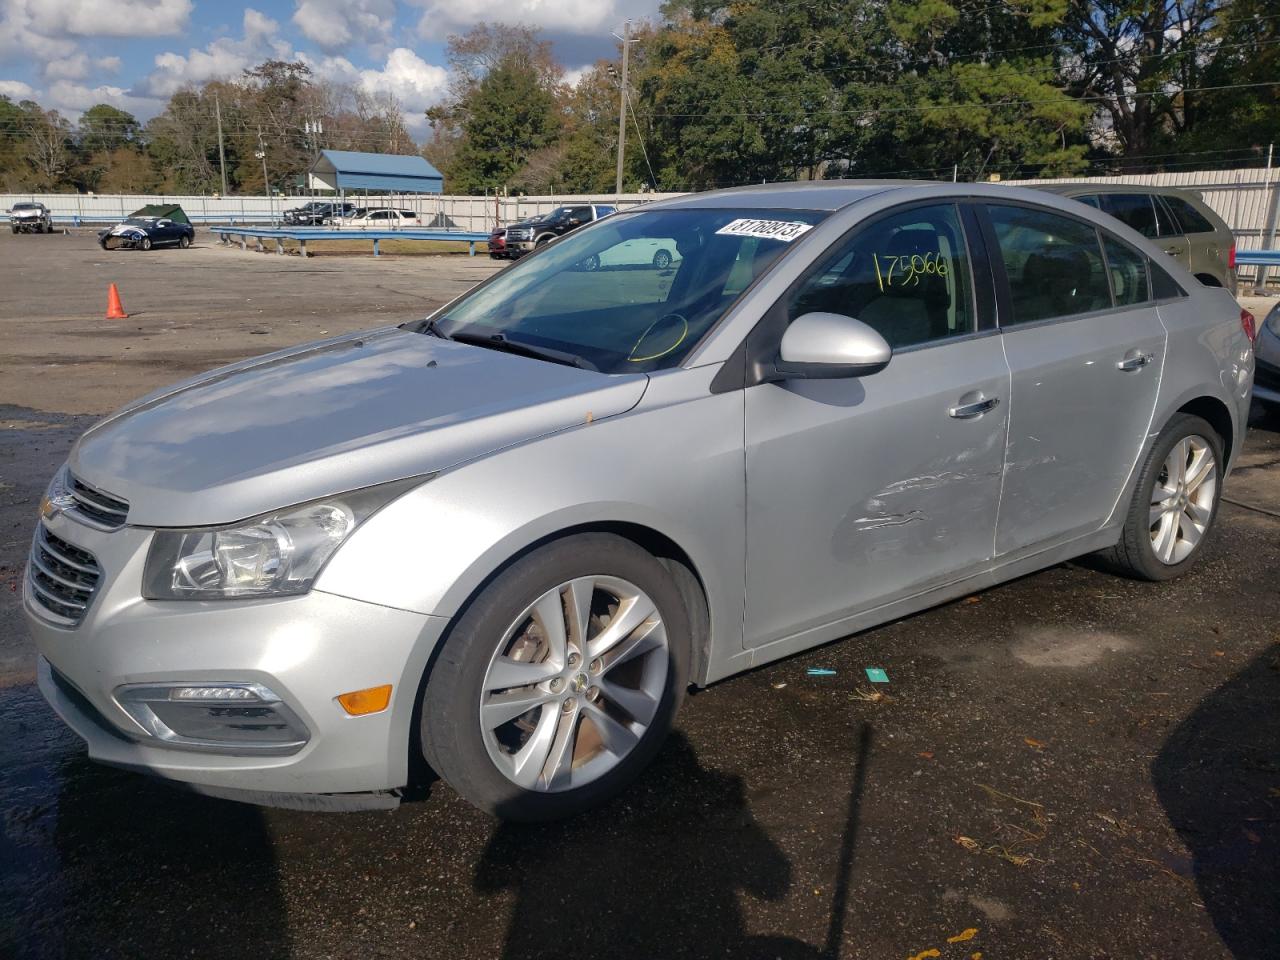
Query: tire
x=1165, y=547
x=542, y=241
x=184, y=241
x=500, y=768
x=145, y=243
x=662, y=259
x=591, y=263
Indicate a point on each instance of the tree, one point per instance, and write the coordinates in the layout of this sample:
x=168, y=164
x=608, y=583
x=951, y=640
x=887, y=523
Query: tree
x=508, y=117
x=104, y=127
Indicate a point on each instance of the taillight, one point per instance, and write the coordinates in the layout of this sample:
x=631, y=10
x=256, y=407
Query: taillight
x=1249, y=324
x=1231, y=257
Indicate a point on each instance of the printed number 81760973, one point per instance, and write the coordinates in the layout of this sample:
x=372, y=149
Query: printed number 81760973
x=906, y=271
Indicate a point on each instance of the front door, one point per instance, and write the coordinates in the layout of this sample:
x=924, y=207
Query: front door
x=862, y=491
x=1085, y=347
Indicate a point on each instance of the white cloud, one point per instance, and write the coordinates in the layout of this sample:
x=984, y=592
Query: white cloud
x=440, y=17
x=72, y=99
x=574, y=77
x=107, y=64
x=336, y=24
x=224, y=58
x=405, y=75
x=16, y=90
x=102, y=18
x=75, y=67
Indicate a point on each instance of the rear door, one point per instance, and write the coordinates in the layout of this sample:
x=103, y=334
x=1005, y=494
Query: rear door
x=1171, y=237
x=1085, y=348
x=865, y=490
x=1209, y=249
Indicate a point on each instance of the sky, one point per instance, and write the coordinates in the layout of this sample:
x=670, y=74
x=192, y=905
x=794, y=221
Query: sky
x=71, y=54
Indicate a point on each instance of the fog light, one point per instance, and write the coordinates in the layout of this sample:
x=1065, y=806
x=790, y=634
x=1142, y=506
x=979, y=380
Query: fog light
x=358, y=703
x=218, y=717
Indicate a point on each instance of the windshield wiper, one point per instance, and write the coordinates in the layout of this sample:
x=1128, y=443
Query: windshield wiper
x=498, y=341
x=433, y=327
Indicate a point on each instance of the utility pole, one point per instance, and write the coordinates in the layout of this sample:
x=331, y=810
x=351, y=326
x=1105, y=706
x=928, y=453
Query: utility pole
x=266, y=181
x=622, y=103
x=222, y=154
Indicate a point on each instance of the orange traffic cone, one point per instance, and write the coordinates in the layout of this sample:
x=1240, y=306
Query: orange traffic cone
x=115, y=309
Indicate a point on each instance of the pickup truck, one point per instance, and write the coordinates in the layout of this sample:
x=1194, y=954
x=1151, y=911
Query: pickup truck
x=30, y=218
x=527, y=235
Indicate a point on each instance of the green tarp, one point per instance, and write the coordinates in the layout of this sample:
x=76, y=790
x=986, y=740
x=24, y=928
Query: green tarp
x=168, y=211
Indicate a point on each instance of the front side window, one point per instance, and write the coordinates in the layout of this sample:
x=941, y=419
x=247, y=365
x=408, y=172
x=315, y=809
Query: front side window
x=602, y=298
x=907, y=276
x=1191, y=219
x=1053, y=263
x=1128, y=272
x=1133, y=210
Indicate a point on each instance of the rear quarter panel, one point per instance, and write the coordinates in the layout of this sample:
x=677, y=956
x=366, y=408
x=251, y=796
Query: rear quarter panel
x=1208, y=355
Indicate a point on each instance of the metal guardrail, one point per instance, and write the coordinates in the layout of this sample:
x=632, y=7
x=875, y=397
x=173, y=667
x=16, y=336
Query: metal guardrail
x=302, y=236
x=1258, y=258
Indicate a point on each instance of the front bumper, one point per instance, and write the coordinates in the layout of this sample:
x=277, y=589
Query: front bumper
x=306, y=649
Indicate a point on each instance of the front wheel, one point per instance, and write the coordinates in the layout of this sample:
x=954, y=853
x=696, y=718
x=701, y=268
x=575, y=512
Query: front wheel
x=662, y=259
x=1175, y=502
x=145, y=243
x=559, y=683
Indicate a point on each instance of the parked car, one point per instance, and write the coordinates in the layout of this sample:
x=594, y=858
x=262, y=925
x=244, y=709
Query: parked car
x=381, y=219
x=656, y=252
x=30, y=218
x=143, y=233
x=1266, y=383
x=1183, y=225
x=510, y=535
x=498, y=244
x=316, y=212
x=527, y=235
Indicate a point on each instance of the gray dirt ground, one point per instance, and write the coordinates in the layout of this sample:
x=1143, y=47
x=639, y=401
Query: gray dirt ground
x=1071, y=765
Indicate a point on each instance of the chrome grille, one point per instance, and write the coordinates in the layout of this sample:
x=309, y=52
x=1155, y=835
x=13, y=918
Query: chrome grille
x=62, y=578
x=96, y=506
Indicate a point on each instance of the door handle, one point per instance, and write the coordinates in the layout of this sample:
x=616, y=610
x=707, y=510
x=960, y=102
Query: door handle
x=1134, y=363
x=967, y=411
x=1173, y=251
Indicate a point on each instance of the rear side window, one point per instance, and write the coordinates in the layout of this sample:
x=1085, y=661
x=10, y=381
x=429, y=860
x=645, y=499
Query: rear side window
x=1133, y=210
x=1053, y=263
x=1128, y=272
x=1191, y=219
x=907, y=276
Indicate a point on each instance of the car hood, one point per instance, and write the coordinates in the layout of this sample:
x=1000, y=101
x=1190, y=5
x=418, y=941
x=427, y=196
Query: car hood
x=328, y=417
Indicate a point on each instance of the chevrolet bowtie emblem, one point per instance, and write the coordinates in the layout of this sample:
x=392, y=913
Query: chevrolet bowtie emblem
x=50, y=507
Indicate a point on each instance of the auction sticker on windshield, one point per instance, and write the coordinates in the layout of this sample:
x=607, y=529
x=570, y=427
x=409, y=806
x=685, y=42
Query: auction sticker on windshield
x=784, y=230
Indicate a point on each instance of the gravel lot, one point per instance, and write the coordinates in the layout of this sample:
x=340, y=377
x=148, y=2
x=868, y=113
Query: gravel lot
x=1067, y=766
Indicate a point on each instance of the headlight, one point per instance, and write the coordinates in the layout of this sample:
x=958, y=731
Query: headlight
x=278, y=554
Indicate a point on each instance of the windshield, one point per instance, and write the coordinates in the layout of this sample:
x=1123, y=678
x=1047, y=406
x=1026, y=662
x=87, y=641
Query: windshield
x=141, y=221
x=632, y=293
x=25, y=206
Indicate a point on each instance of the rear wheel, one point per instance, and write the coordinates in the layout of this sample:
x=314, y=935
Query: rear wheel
x=591, y=263
x=184, y=241
x=560, y=682
x=662, y=259
x=1175, y=502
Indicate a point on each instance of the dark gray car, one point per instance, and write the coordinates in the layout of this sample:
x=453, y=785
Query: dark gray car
x=1183, y=225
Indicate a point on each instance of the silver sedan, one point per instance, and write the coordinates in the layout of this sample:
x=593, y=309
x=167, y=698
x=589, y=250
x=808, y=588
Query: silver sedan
x=509, y=537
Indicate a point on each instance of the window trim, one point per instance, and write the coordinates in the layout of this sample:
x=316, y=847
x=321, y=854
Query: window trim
x=751, y=363
x=1105, y=236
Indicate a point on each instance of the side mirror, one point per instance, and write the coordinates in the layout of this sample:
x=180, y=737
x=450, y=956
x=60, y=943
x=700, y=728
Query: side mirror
x=826, y=346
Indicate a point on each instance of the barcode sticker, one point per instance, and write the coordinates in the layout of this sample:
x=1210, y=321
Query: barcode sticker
x=784, y=230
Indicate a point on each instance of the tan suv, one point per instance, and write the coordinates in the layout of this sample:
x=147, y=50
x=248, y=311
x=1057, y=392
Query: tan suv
x=1178, y=220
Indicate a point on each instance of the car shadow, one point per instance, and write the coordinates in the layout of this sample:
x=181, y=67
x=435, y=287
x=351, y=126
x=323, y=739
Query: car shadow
x=656, y=873
x=1218, y=778
x=101, y=863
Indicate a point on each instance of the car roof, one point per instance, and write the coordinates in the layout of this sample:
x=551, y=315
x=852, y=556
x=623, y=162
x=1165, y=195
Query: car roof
x=1080, y=189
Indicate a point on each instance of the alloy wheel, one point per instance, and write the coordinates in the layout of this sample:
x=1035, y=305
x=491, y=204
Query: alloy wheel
x=574, y=684
x=1182, y=499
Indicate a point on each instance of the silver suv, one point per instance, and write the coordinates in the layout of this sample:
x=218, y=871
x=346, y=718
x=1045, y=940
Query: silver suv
x=1183, y=225
x=30, y=218
x=509, y=536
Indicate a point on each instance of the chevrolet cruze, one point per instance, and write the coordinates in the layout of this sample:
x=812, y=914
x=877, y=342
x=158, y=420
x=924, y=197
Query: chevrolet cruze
x=508, y=537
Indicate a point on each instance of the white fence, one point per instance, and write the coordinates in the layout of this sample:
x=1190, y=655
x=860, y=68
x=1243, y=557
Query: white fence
x=460, y=213
x=1245, y=199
